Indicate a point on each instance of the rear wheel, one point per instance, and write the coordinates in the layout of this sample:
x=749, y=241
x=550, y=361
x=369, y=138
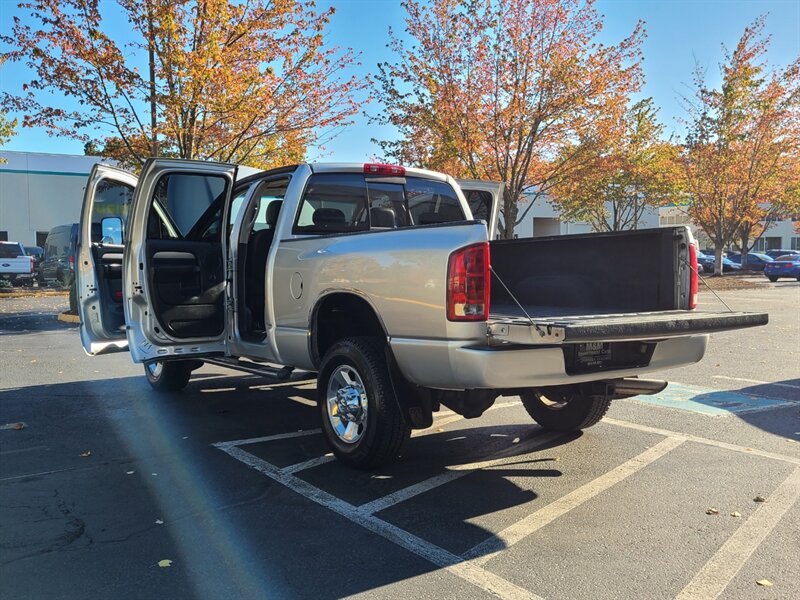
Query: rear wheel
x=361, y=418
x=168, y=376
x=563, y=409
x=773, y=279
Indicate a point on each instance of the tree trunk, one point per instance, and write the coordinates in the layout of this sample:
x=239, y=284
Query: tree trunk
x=718, y=246
x=510, y=212
x=745, y=250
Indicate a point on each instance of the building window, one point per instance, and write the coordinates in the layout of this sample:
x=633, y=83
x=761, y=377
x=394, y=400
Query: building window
x=662, y=220
x=795, y=243
x=3, y=236
x=768, y=243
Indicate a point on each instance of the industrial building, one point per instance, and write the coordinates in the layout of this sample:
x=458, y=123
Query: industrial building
x=39, y=191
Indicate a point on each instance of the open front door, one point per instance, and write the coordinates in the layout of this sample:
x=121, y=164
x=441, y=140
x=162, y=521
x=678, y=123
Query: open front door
x=100, y=248
x=175, y=291
x=485, y=199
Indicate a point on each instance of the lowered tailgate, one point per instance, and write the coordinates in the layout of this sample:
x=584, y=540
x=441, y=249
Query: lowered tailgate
x=520, y=329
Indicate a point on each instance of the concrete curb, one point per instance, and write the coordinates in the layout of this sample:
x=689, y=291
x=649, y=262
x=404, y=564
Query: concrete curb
x=68, y=318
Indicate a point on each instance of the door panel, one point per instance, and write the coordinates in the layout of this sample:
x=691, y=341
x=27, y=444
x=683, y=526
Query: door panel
x=99, y=263
x=189, y=286
x=177, y=299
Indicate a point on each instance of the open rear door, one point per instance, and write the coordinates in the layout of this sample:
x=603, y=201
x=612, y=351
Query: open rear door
x=100, y=249
x=485, y=198
x=176, y=289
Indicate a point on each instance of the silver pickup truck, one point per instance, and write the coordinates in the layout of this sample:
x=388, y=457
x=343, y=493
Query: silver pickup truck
x=388, y=283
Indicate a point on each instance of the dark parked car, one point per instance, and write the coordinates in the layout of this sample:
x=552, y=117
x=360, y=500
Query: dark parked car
x=775, y=254
x=706, y=261
x=37, y=254
x=783, y=266
x=59, y=252
x=755, y=261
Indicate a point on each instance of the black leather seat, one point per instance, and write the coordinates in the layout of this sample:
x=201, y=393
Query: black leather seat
x=256, y=266
x=382, y=217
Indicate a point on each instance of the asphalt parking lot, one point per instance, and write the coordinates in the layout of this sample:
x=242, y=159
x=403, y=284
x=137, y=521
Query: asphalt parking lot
x=227, y=491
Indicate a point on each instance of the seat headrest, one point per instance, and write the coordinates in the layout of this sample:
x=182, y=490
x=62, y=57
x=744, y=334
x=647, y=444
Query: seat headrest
x=273, y=210
x=382, y=217
x=328, y=216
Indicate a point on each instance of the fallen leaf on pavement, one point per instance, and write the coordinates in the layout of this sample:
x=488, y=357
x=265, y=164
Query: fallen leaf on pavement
x=86, y=453
x=165, y=563
x=17, y=426
x=736, y=515
x=759, y=499
x=712, y=511
x=439, y=429
x=159, y=522
x=764, y=583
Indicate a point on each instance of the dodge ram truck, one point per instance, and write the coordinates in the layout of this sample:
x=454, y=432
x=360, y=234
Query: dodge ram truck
x=381, y=280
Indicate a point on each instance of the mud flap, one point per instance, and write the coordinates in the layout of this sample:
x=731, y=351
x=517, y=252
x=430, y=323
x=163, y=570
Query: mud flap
x=415, y=403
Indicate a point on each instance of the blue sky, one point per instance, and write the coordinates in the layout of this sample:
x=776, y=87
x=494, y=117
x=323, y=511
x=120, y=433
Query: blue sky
x=679, y=33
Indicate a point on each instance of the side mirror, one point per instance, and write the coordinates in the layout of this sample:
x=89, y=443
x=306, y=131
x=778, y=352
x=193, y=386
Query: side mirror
x=112, y=230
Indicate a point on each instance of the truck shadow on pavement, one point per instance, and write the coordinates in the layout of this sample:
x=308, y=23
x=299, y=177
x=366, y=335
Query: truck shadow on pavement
x=781, y=418
x=153, y=487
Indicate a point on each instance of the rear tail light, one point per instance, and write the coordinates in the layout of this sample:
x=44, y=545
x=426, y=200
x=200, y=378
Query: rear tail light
x=468, y=283
x=379, y=169
x=118, y=295
x=72, y=262
x=693, y=277
x=32, y=263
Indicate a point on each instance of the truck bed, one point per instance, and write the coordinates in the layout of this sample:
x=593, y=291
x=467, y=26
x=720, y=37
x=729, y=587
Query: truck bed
x=600, y=287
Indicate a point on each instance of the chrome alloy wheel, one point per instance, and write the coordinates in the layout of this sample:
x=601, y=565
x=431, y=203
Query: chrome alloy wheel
x=155, y=368
x=347, y=404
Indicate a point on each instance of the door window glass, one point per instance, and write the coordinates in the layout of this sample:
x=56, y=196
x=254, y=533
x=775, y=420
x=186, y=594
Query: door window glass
x=111, y=199
x=187, y=206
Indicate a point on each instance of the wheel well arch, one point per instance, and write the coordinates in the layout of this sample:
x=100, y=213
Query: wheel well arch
x=338, y=315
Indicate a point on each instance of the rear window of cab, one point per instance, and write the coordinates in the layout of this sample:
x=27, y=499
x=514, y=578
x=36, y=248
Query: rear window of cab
x=347, y=202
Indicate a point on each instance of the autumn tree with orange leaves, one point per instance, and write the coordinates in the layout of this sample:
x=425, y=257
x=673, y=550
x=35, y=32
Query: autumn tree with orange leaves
x=624, y=173
x=497, y=89
x=251, y=82
x=741, y=157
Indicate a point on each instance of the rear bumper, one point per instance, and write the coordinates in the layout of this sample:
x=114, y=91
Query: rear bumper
x=450, y=365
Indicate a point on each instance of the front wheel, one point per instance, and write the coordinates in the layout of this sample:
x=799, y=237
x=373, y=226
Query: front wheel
x=361, y=418
x=562, y=409
x=773, y=279
x=168, y=376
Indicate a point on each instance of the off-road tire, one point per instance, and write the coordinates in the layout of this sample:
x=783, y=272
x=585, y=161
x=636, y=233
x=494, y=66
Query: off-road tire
x=386, y=430
x=577, y=412
x=172, y=376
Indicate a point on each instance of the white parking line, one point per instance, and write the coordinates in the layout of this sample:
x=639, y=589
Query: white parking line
x=786, y=385
x=309, y=464
x=491, y=547
x=268, y=438
x=454, y=472
x=701, y=440
x=442, y=558
x=718, y=572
